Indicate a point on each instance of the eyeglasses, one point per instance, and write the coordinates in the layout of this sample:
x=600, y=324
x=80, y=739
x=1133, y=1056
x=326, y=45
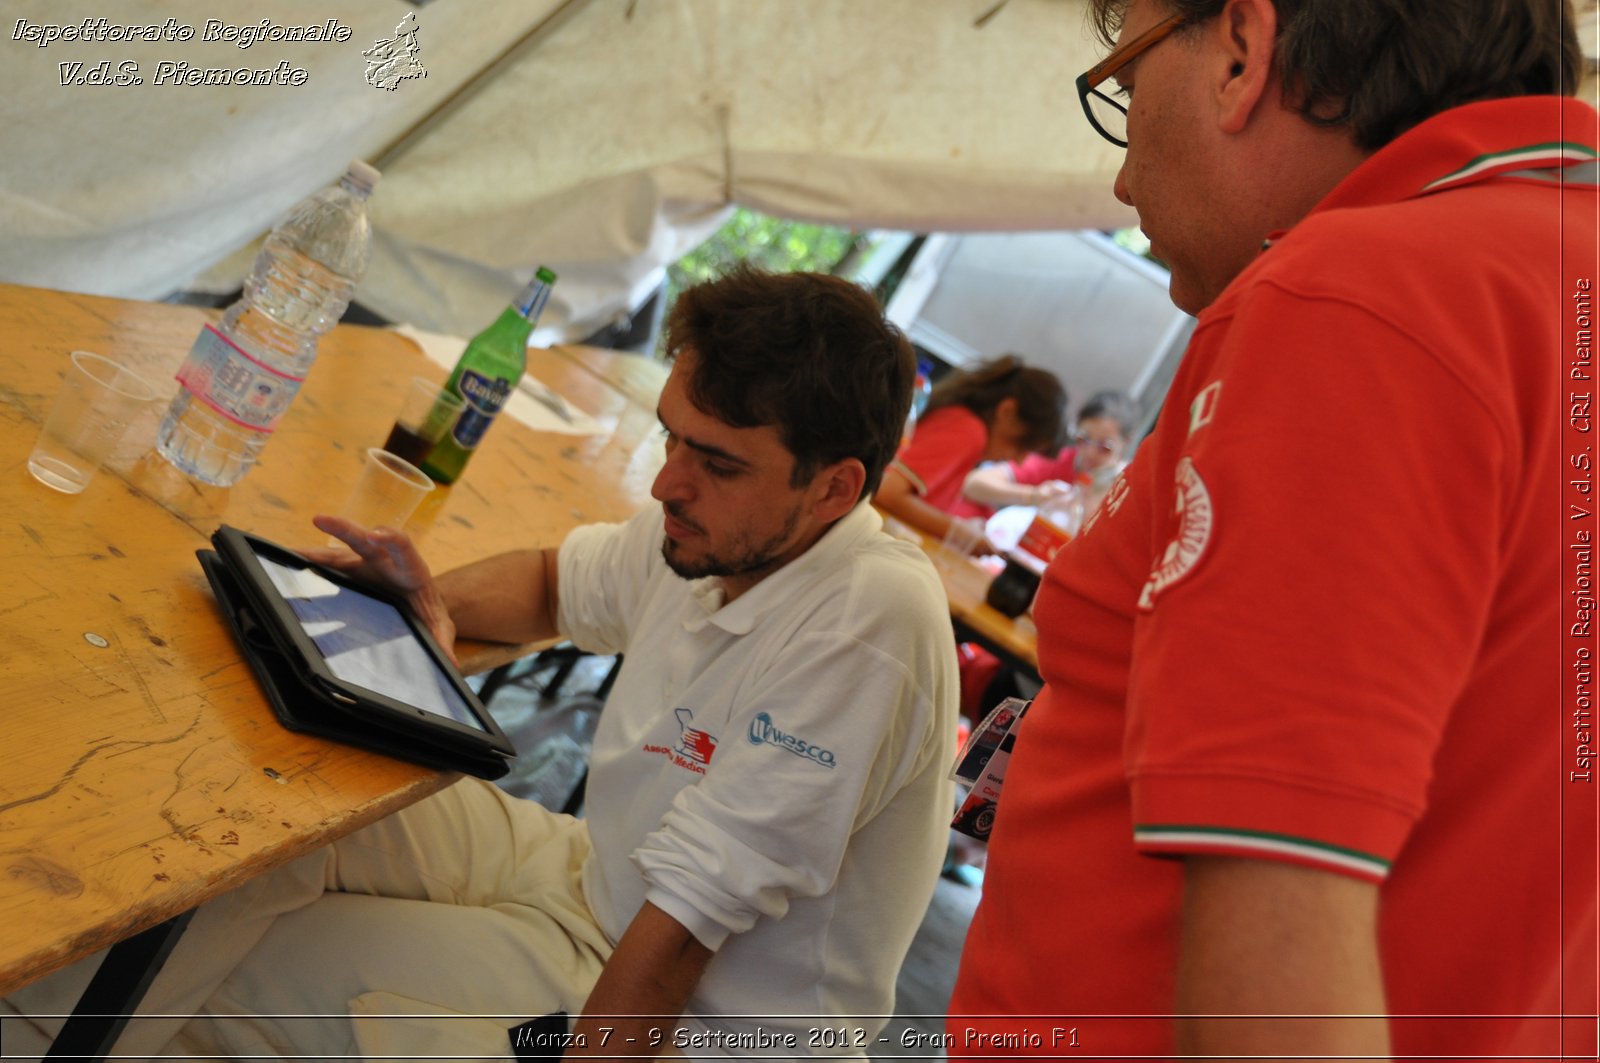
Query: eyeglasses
x=1108, y=445
x=1110, y=118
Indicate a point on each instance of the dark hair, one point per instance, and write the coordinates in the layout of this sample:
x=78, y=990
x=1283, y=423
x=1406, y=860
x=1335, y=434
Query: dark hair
x=1112, y=404
x=810, y=354
x=1383, y=66
x=1041, y=400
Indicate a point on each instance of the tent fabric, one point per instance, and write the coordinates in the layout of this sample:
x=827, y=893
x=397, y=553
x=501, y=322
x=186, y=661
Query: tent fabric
x=614, y=139
x=608, y=146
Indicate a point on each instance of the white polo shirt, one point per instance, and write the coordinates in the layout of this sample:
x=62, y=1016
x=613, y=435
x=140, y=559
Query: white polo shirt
x=773, y=773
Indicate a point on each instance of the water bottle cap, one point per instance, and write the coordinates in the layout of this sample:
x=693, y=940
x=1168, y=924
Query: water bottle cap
x=362, y=175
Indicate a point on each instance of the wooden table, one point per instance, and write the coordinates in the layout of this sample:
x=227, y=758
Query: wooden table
x=144, y=771
x=965, y=584
x=640, y=379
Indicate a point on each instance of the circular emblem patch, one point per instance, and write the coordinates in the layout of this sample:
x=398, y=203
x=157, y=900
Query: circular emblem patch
x=1195, y=518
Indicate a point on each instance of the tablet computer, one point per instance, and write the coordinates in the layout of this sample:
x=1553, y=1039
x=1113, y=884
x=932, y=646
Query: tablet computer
x=361, y=667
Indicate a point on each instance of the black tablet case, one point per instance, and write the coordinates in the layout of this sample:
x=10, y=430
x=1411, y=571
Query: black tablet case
x=303, y=706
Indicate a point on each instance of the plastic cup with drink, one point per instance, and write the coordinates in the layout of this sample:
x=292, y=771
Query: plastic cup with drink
x=427, y=413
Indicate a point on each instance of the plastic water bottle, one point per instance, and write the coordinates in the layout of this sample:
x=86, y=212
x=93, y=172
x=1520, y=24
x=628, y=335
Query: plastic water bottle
x=1055, y=522
x=242, y=373
x=921, y=388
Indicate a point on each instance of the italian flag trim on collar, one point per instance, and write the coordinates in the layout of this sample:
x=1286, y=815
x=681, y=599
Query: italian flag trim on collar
x=1504, y=163
x=1180, y=837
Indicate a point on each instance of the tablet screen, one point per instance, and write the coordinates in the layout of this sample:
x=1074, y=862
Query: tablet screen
x=367, y=642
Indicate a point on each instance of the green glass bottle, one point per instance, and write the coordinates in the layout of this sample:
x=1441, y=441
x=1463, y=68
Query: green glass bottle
x=488, y=369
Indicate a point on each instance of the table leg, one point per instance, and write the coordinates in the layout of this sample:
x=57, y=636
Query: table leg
x=114, y=993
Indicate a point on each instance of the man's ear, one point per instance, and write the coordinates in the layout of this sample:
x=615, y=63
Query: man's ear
x=1246, y=34
x=838, y=488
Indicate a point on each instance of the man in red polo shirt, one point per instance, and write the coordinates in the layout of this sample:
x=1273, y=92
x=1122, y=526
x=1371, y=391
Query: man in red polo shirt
x=1312, y=773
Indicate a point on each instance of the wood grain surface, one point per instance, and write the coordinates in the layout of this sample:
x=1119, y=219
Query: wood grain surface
x=144, y=771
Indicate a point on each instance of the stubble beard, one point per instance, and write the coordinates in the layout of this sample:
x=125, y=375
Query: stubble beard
x=745, y=559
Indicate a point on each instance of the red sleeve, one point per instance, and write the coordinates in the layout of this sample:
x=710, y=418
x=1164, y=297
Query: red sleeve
x=1322, y=599
x=1038, y=469
x=947, y=445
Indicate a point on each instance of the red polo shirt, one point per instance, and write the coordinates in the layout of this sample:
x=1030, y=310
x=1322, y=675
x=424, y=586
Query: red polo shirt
x=1332, y=615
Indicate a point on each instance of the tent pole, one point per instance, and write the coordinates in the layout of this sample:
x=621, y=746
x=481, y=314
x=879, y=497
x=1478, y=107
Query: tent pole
x=447, y=106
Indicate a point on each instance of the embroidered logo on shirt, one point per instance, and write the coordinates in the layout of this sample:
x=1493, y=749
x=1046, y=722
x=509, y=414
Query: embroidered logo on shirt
x=693, y=742
x=1108, y=505
x=1195, y=518
x=1204, y=406
x=694, y=748
x=764, y=732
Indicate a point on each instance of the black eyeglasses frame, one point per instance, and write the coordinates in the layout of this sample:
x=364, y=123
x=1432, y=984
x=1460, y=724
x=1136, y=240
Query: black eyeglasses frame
x=1090, y=80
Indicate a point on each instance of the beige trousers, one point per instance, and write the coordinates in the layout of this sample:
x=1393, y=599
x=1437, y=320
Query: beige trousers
x=431, y=932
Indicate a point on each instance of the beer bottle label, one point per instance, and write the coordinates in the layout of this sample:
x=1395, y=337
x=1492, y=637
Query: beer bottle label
x=235, y=384
x=485, y=395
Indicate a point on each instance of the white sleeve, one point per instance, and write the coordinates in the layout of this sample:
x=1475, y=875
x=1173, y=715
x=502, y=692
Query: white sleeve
x=993, y=484
x=604, y=572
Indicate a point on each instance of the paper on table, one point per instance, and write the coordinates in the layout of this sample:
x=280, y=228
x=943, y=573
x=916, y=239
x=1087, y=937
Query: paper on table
x=533, y=403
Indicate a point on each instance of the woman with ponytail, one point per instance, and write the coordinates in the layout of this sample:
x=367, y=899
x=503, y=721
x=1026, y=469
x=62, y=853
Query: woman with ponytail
x=1001, y=410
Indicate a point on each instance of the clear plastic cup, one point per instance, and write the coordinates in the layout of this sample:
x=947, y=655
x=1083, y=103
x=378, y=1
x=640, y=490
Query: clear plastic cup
x=962, y=537
x=387, y=493
x=98, y=399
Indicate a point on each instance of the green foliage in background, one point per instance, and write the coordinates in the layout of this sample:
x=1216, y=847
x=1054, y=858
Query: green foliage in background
x=772, y=244
x=1136, y=241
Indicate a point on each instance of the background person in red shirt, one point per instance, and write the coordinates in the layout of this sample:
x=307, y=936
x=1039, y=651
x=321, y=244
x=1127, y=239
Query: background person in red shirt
x=1088, y=463
x=1002, y=410
x=1308, y=774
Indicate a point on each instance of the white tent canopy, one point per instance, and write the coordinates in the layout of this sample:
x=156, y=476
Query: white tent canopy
x=603, y=137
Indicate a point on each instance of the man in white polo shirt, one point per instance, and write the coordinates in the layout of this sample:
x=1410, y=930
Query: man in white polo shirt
x=768, y=796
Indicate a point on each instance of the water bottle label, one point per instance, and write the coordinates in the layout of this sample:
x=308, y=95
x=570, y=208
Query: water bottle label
x=239, y=387
x=485, y=395
x=1044, y=539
